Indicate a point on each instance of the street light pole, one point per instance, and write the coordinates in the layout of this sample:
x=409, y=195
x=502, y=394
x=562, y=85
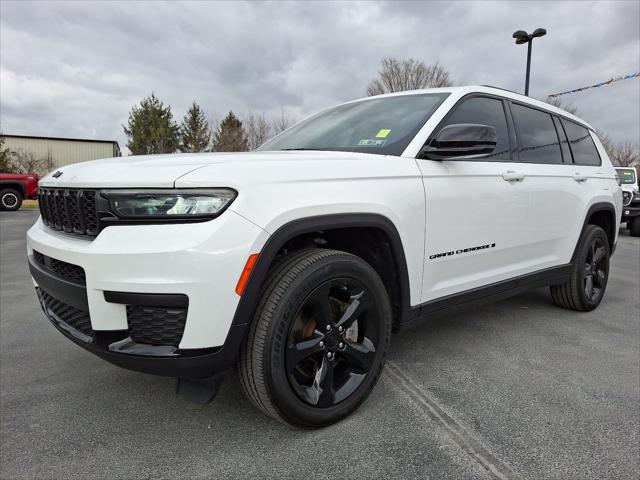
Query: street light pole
x=526, y=82
x=523, y=37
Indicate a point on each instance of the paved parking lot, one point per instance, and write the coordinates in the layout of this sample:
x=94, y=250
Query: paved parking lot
x=517, y=389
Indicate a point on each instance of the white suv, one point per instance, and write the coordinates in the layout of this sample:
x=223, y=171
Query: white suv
x=295, y=262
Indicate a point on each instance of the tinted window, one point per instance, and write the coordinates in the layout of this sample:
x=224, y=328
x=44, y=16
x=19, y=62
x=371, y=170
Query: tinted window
x=485, y=111
x=564, y=143
x=582, y=146
x=380, y=125
x=537, y=138
x=627, y=175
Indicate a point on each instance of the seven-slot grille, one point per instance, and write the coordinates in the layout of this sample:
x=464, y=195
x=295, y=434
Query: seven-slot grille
x=69, y=210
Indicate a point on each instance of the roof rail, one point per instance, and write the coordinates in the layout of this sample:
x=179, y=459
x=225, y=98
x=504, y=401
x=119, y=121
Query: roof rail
x=500, y=88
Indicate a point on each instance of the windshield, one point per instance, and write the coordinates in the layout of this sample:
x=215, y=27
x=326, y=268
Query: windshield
x=627, y=175
x=383, y=126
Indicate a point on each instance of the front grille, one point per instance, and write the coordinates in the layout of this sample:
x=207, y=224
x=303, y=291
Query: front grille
x=69, y=210
x=156, y=325
x=626, y=197
x=68, y=271
x=62, y=312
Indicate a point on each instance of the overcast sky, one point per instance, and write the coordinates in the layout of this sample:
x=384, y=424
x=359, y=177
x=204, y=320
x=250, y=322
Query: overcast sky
x=74, y=69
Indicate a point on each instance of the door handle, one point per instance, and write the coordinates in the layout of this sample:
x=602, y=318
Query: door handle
x=512, y=176
x=579, y=177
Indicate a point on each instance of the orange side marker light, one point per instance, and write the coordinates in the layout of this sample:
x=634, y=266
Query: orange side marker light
x=246, y=273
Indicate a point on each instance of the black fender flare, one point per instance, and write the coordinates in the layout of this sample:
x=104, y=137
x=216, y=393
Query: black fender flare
x=251, y=296
x=597, y=207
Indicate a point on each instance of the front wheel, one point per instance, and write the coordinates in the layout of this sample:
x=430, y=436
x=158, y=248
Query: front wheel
x=590, y=272
x=634, y=226
x=319, y=338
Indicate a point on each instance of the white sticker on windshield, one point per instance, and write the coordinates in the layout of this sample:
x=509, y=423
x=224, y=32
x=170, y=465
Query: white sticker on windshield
x=371, y=142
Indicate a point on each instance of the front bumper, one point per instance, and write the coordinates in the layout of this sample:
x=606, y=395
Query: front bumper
x=189, y=269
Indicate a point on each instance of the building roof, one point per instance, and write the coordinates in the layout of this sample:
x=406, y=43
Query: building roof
x=61, y=138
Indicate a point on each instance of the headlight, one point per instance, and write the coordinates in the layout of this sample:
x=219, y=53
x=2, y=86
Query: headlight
x=169, y=204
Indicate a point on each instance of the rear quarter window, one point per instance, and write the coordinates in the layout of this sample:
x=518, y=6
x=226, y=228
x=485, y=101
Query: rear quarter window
x=582, y=147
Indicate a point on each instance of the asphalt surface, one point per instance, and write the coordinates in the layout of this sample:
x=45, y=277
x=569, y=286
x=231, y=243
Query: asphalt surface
x=517, y=389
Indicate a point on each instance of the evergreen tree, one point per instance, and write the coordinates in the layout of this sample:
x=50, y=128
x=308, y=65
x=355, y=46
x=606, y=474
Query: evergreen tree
x=195, y=131
x=151, y=129
x=230, y=136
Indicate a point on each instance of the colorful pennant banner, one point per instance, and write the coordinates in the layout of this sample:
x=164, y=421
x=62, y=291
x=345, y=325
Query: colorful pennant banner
x=597, y=85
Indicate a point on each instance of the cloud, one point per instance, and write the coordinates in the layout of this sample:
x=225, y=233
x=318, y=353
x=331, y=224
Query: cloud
x=75, y=69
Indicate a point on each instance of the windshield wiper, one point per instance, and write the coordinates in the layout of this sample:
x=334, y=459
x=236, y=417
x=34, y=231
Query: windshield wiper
x=300, y=149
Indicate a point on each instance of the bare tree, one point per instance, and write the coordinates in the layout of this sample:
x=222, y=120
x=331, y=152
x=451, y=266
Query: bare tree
x=281, y=122
x=625, y=154
x=258, y=130
x=556, y=102
x=410, y=74
x=26, y=162
x=607, y=143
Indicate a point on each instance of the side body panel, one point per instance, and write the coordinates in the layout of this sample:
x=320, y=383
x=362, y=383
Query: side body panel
x=470, y=206
x=274, y=194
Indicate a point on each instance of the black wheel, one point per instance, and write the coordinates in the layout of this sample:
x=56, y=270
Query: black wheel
x=588, y=281
x=319, y=338
x=10, y=199
x=634, y=227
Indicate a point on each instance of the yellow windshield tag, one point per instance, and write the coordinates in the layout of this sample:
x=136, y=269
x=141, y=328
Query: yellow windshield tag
x=383, y=133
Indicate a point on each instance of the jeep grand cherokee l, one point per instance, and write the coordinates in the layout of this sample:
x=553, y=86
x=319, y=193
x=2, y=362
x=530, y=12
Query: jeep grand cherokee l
x=295, y=262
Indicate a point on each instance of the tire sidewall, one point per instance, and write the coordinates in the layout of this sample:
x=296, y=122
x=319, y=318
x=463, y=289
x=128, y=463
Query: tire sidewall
x=591, y=235
x=13, y=193
x=286, y=400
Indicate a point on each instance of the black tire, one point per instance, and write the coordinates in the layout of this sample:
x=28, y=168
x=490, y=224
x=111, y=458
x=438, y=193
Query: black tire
x=634, y=227
x=590, y=273
x=10, y=200
x=291, y=386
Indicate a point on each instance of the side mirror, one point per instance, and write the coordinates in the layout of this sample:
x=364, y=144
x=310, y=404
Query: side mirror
x=460, y=140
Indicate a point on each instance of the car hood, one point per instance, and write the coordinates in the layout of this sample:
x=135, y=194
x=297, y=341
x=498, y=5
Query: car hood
x=163, y=171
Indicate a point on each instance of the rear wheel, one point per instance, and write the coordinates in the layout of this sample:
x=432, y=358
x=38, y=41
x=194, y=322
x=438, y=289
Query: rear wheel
x=634, y=226
x=10, y=199
x=319, y=338
x=588, y=281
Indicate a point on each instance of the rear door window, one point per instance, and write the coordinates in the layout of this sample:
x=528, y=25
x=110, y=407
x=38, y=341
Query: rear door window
x=537, y=138
x=582, y=146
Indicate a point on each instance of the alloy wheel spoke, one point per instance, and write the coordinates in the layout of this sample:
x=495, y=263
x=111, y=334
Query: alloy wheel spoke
x=600, y=277
x=588, y=286
x=598, y=255
x=301, y=350
x=356, y=305
x=360, y=355
x=321, y=308
x=323, y=384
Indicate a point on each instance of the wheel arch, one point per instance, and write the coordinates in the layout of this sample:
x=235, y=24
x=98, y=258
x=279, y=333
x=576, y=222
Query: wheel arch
x=325, y=223
x=12, y=184
x=602, y=214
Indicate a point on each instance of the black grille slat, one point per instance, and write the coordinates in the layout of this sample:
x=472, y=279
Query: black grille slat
x=69, y=210
x=156, y=325
x=89, y=212
x=68, y=271
x=77, y=319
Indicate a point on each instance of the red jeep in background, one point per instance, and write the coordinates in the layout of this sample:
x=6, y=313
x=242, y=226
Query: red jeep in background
x=14, y=187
